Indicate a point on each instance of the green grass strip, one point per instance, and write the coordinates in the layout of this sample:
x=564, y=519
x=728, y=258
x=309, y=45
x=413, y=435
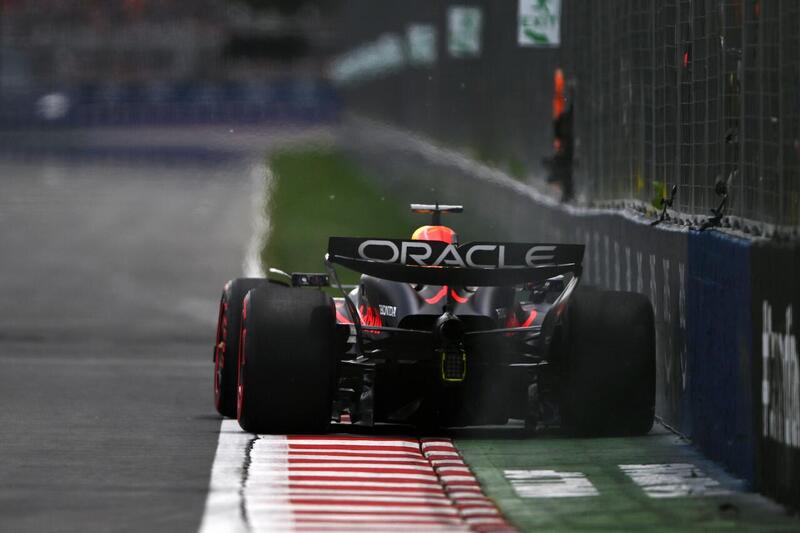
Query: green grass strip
x=322, y=193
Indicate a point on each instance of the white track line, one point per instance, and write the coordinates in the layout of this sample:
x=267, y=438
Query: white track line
x=326, y=474
x=346, y=463
x=223, y=504
x=353, y=445
x=303, y=492
x=550, y=484
x=673, y=480
x=299, y=452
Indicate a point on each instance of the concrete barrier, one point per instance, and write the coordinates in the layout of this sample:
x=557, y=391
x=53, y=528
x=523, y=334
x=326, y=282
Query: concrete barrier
x=776, y=368
x=720, y=349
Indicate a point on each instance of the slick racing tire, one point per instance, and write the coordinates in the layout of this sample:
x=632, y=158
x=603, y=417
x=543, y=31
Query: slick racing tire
x=226, y=348
x=287, y=361
x=609, y=366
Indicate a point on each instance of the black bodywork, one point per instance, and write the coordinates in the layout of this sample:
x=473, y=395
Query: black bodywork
x=452, y=343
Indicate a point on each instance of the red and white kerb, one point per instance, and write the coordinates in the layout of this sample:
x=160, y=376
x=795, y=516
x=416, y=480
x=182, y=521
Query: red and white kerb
x=477, y=511
x=351, y=483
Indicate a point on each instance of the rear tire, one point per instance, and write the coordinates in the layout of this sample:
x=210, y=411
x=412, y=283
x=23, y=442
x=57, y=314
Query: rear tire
x=226, y=348
x=609, y=366
x=287, y=361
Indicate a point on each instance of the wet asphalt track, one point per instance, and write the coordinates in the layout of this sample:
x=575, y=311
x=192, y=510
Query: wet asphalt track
x=109, y=279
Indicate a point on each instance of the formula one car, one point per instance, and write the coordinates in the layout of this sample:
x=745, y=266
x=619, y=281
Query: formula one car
x=436, y=334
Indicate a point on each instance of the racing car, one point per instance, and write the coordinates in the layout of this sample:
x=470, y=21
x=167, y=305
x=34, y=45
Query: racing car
x=436, y=334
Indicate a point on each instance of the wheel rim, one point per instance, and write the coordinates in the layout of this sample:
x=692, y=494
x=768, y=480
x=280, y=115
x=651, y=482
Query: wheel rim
x=217, y=378
x=219, y=350
x=241, y=360
x=240, y=381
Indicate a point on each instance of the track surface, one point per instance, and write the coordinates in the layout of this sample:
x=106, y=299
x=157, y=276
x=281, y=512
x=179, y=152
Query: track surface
x=108, y=293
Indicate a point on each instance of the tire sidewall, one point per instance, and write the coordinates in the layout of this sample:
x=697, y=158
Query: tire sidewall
x=288, y=366
x=226, y=360
x=608, y=366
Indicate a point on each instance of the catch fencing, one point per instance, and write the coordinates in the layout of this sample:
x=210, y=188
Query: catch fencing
x=666, y=92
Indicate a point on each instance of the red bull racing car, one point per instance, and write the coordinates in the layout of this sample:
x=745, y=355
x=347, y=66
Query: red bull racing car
x=436, y=334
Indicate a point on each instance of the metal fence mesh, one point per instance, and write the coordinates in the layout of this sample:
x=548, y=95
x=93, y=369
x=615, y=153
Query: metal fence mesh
x=666, y=92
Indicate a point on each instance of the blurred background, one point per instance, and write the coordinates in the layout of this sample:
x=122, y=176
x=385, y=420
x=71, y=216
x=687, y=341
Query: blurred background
x=136, y=62
x=164, y=146
x=682, y=92
x=679, y=91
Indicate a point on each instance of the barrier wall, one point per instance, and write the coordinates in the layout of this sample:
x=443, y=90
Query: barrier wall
x=723, y=304
x=776, y=374
x=720, y=349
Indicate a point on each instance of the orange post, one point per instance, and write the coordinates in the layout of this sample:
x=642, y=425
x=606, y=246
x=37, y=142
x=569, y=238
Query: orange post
x=559, y=101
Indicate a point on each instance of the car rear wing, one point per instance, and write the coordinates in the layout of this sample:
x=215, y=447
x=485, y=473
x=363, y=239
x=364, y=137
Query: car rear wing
x=438, y=263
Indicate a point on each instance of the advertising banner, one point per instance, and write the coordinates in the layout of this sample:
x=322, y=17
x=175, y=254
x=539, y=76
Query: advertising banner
x=776, y=380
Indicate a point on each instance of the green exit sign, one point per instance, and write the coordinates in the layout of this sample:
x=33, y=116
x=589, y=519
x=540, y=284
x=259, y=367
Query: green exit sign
x=539, y=23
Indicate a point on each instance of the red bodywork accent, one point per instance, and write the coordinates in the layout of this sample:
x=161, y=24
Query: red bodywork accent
x=436, y=297
x=513, y=322
x=369, y=316
x=341, y=319
x=529, y=320
x=443, y=292
x=341, y=313
x=459, y=299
